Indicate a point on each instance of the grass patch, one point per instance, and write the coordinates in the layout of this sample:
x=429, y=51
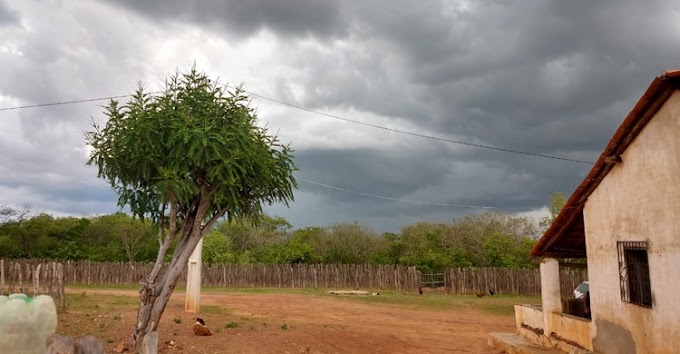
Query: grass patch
x=264, y=291
x=100, y=301
x=433, y=301
x=498, y=305
x=232, y=324
x=498, y=309
x=214, y=309
x=284, y=326
x=103, y=287
x=177, y=320
x=502, y=305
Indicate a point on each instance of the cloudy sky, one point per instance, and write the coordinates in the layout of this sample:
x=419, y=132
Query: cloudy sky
x=548, y=77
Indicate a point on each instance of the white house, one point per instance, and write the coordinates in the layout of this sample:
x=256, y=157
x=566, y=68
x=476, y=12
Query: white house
x=625, y=219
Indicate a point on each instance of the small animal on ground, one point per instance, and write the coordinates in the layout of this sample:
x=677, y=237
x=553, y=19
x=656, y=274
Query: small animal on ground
x=492, y=292
x=200, y=329
x=420, y=290
x=480, y=294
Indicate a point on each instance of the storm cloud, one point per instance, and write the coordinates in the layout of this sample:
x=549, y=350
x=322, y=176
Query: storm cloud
x=552, y=78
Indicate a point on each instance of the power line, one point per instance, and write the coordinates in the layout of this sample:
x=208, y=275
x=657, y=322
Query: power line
x=334, y=117
x=409, y=200
x=61, y=103
x=417, y=134
x=303, y=179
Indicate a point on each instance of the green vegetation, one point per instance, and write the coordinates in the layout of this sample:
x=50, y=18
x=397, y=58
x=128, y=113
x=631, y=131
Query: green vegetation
x=213, y=309
x=489, y=239
x=502, y=305
x=232, y=324
x=497, y=305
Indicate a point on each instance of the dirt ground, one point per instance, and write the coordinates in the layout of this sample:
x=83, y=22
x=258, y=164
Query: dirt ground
x=297, y=323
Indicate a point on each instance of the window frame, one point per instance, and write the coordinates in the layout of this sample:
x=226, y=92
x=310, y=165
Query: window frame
x=636, y=286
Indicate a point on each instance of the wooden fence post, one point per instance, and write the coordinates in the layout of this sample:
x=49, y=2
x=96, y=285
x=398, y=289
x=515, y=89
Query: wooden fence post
x=36, y=280
x=2, y=276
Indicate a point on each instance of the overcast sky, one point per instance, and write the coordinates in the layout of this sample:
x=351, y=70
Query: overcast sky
x=548, y=77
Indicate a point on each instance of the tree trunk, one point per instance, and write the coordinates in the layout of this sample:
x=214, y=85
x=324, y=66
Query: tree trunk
x=154, y=297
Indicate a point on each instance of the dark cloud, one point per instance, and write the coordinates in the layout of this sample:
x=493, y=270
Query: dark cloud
x=554, y=78
x=242, y=18
x=8, y=16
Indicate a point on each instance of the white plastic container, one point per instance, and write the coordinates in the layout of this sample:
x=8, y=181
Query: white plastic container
x=26, y=323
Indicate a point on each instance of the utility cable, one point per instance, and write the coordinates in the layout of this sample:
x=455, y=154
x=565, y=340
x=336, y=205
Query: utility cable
x=409, y=200
x=61, y=103
x=303, y=179
x=420, y=135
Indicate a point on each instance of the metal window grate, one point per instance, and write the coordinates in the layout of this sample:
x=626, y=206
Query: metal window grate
x=636, y=287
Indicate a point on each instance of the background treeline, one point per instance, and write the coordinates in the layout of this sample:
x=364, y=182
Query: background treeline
x=487, y=240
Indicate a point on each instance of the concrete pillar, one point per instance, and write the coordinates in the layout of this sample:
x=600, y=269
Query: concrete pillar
x=192, y=304
x=551, y=296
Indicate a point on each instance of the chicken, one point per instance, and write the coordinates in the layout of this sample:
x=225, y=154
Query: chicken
x=492, y=292
x=200, y=329
x=480, y=294
x=420, y=290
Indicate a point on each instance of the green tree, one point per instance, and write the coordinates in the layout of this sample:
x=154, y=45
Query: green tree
x=218, y=248
x=348, y=243
x=557, y=201
x=119, y=237
x=184, y=159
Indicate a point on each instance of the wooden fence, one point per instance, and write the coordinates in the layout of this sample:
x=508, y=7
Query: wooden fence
x=33, y=278
x=325, y=276
x=251, y=275
x=508, y=280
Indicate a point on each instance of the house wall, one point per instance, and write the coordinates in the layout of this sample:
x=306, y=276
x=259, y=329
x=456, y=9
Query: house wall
x=638, y=200
x=571, y=330
x=568, y=333
x=529, y=315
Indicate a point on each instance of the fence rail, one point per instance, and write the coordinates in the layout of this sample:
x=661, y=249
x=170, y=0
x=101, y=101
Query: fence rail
x=33, y=278
x=376, y=277
x=508, y=280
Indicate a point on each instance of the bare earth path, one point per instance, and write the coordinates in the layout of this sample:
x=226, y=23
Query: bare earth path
x=289, y=323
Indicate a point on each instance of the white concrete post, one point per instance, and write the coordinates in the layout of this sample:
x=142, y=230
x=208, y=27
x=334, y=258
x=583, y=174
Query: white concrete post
x=551, y=296
x=192, y=304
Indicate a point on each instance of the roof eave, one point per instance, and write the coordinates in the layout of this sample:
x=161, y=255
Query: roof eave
x=654, y=97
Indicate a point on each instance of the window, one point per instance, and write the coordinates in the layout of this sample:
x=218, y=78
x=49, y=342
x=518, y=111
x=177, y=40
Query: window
x=634, y=273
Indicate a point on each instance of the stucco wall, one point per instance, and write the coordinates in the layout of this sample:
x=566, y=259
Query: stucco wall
x=638, y=200
x=572, y=328
x=530, y=315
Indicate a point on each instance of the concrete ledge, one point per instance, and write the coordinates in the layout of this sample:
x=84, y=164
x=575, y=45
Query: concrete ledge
x=512, y=343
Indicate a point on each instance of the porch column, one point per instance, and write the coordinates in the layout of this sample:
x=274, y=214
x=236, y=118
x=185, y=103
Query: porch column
x=192, y=303
x=551, y=296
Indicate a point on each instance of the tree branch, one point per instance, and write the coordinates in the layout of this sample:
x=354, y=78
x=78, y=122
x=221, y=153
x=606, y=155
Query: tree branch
x=172, y=228
x=165, y=245
x=213, y=220
x=160, y=223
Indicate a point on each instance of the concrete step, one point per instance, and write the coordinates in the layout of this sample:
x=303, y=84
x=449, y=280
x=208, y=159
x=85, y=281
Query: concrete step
x=513, y=343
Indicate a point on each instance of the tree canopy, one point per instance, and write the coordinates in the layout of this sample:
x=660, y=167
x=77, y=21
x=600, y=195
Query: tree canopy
x=182, y=159
x=195, y=140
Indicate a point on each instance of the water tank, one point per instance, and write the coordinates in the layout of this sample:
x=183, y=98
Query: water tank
x=26, y=323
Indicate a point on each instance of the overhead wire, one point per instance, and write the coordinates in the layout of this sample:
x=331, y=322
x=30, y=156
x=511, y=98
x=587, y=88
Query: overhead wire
x=420, y=135
x=2, y=109
x=410, y=200
x=376, y=196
